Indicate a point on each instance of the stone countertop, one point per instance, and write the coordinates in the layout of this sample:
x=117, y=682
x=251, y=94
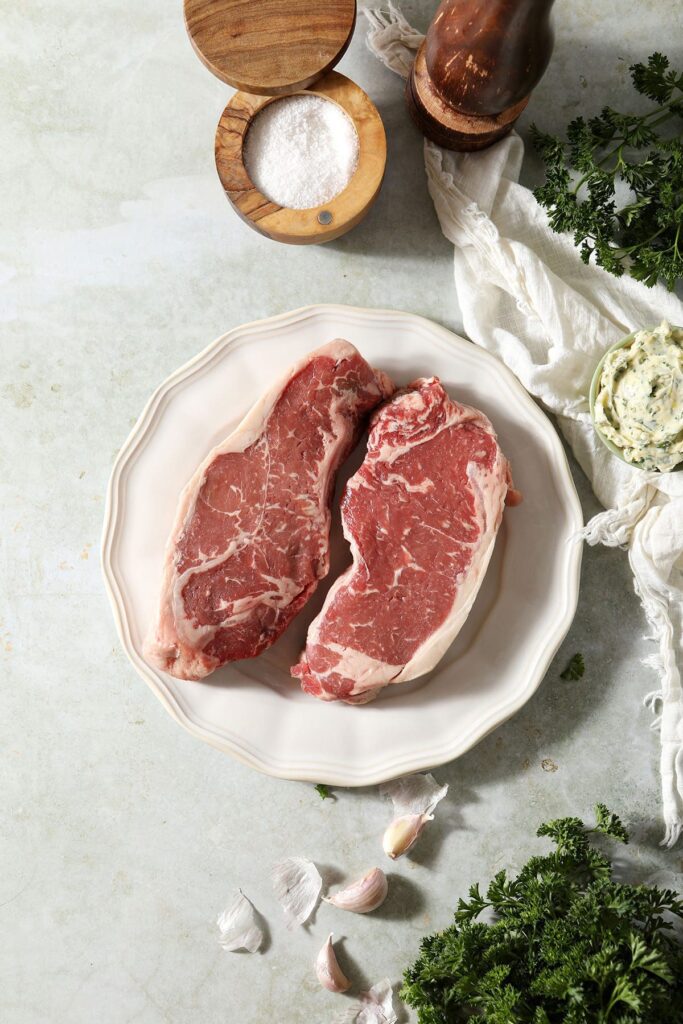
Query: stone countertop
x=122, y=836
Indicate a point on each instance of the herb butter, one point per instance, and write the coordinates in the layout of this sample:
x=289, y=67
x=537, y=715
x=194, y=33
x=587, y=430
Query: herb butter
x=639, y=401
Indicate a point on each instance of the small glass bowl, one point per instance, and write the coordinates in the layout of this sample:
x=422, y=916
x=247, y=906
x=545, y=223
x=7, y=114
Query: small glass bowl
x=593, y=392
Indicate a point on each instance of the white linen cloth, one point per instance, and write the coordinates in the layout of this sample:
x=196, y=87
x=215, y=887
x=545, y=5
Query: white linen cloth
x=526, y=296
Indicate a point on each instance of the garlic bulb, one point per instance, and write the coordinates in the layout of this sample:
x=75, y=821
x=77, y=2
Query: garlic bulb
x=330, y=974
x=414, y=798
x=363, y=896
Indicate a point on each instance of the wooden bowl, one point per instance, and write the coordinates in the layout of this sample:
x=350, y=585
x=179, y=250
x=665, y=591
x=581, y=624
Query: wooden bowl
x=320, y=223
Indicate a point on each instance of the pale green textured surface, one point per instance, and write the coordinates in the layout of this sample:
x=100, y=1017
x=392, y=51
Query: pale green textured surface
x=121, y=836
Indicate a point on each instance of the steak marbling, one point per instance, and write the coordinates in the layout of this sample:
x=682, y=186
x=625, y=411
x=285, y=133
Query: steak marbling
x=421, y=516
x=251, y=535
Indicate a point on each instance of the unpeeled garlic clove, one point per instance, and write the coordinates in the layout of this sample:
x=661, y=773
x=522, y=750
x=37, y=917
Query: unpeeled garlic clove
x=330, y=974
x=363, y=896
x=403, y=832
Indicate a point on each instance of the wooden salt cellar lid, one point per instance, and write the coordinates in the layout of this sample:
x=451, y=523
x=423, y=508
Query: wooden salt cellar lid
x=320, y=223
x=270, y=47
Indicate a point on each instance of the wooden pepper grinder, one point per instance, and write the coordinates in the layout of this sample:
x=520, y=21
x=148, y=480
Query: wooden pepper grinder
x=474, y=72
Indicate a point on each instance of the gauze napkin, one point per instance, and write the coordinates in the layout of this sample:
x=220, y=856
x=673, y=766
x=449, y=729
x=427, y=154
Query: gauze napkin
x=526, y=296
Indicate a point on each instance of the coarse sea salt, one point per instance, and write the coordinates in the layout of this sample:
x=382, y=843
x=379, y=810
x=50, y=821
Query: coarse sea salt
x=301, y=151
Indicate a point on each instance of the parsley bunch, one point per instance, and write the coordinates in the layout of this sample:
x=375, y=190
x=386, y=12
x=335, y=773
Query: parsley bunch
x=567, y=944
x=644, y=153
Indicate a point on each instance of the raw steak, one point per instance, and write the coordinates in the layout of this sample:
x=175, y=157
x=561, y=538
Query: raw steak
x=251, y=535
x=421, y=516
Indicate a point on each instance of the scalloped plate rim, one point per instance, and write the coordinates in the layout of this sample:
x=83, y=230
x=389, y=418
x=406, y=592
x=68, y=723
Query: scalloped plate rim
x=300, y=770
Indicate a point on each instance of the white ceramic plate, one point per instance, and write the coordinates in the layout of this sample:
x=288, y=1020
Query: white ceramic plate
x=253, y=709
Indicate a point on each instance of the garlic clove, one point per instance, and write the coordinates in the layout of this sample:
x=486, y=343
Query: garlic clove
x=403, y=832
x=297, y=884
x=364, y=895
x=238, y=926
x=414, y=799
x=330, y=974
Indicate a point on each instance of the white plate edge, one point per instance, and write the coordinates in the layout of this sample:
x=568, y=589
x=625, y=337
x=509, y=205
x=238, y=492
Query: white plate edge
x=302, y=772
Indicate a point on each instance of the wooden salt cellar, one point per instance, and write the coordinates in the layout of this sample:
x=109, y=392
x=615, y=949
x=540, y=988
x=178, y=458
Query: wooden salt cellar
x=475, y=71
x=320, y=223
x=274, y=48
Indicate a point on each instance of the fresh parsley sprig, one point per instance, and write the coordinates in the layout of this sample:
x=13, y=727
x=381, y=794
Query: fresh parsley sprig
x=574, y=669
x=644, y=152
x=566, y=943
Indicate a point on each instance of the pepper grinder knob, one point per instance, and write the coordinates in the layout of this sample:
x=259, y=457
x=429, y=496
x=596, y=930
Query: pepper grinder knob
x=476, y=68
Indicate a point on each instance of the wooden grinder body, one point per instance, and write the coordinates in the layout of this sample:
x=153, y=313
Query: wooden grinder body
x=474, y=72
